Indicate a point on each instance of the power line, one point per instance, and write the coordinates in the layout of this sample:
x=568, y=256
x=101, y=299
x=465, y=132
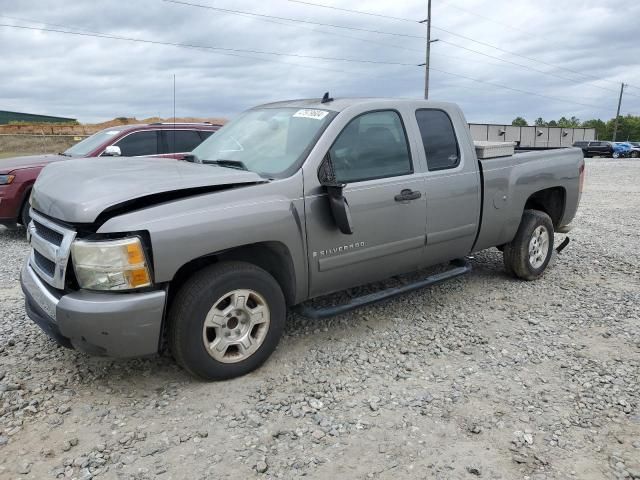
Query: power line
x=353, y=38
x=262, y=15
x=208, y=47
x=521, y=30
x=312, y=29
x=558, y=99
x=492, y=20
x=193, y=47
x=361, y=12
x=449, y=57
x=267, y=17
x=233, y=52
x=521, y=56
x=527, y=67
x=315, y=29
x=73, y=27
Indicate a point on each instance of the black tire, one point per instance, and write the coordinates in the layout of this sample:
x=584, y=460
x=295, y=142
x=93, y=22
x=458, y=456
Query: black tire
x=516, y=253
x=197, y=297
x=25, y=218
x=635, y=154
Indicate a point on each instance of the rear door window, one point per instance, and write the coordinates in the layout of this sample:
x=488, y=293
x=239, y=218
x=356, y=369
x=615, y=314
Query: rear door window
x=139, y=144
x=438, y=138
x=204, y=134
x=182, y=141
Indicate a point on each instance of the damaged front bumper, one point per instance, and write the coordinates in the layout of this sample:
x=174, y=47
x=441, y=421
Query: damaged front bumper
x=104, y=324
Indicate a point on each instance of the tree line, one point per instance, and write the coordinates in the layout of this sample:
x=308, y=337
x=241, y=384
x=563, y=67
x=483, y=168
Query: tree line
x=628, y=126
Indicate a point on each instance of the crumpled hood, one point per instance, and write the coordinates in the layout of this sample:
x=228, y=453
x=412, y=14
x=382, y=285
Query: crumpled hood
x=78, y=191
x=14, y=163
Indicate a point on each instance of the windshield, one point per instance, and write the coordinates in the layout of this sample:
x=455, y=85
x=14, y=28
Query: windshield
x=268, y=141
x=89, y=144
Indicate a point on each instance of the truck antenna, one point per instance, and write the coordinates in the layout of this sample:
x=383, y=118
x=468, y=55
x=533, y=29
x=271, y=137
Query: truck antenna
x=326, y=98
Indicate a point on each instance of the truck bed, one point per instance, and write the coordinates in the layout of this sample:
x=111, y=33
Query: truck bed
x=509, y=182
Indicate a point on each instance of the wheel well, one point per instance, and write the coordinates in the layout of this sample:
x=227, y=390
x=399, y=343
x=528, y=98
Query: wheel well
x=550, y=201
x=25, y=199
x=274, y=257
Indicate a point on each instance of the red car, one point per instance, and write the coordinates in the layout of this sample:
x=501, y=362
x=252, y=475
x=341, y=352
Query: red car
x=18, y=174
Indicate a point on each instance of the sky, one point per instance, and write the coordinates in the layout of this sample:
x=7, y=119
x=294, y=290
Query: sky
x=570, y=56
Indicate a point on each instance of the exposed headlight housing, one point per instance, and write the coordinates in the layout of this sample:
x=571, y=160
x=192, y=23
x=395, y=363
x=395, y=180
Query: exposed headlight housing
x=6, y=179
x=110, y=264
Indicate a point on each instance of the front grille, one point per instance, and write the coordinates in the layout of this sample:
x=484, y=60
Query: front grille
x=48, y=234
x=51, y=248
x=45, y=264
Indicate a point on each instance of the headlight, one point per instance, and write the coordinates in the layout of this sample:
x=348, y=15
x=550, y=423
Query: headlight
x=110, y=265
x=6, y=179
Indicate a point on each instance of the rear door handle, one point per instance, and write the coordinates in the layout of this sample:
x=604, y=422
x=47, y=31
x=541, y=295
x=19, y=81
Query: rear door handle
x=407, y=195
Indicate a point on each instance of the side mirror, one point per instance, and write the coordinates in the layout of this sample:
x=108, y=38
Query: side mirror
x=112, y=151
x=337, y=202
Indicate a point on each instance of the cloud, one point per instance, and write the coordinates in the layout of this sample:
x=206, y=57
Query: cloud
x=95, y=79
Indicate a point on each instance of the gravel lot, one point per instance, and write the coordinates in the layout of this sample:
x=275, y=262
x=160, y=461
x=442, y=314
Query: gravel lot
x=484, y=376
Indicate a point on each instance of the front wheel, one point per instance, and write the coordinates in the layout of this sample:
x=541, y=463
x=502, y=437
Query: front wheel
x=635, y=154
x=615, y=155
x=226, y=320
x=25, y=216
x=528, y=254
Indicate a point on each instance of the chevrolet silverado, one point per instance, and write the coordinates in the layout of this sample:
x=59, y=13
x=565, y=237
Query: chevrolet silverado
x=290, y=201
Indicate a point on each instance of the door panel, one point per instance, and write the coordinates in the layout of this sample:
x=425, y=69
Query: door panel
x=388, y=238
x=371, y=154
x=453, y=212
x=452, y=188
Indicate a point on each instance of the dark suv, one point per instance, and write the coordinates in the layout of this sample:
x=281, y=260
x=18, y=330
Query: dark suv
x=18, y=174
x=595, y=148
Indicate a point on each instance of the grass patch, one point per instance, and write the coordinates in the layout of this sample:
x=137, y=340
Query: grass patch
x=18, y=145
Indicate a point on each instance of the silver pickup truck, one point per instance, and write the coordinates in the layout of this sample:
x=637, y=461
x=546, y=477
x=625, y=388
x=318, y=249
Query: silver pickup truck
x=290, y=201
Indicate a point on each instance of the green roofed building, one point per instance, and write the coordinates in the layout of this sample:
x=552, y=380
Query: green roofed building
x=7, y=117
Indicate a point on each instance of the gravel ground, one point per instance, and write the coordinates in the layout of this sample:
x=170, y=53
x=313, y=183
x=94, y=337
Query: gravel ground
x=484, y=376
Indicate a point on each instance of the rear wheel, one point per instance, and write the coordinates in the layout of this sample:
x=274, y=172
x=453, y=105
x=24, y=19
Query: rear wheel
x=615, y=155
x=528, y=254
x=635, y=154
x=226, y=320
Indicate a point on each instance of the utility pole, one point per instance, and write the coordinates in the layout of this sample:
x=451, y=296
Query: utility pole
x=426, y=62
x=615, y=124
x=428, y=54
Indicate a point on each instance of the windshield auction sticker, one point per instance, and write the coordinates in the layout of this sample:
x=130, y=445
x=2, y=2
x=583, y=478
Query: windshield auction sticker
x=311, y=113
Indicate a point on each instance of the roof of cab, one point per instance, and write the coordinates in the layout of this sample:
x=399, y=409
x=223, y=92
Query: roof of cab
x=339, y=104
x=167, y=126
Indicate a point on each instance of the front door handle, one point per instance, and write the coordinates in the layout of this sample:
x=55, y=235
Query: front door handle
x=407, y=195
